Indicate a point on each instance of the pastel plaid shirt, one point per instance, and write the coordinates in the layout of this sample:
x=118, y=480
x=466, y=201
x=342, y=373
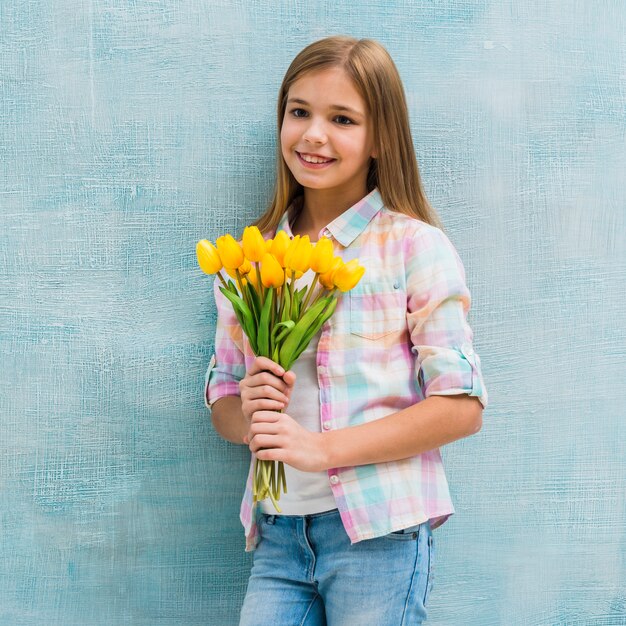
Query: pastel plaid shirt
x=401, y=335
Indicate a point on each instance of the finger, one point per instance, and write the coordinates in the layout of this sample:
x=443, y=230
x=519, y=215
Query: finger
x=266, y=392
x=267, y=378
x=264, y=441
x=266, y=416
x=262, y=363
x=264, y=428
x=290, y=378
x=266, y=405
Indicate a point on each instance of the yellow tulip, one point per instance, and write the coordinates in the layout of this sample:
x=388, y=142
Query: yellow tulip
x=244, y=269
x=326, y=279
x=208, y=257
x=348, y=275
x=272, y=274
x=322, y=256
x=279, y=246
x=253, y=244
x=230, y=252
x=252, y=279
x=299, y=253
x=289, y=273
x=268, y=245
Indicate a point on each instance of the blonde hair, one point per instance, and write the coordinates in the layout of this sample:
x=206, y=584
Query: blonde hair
x=394, y=171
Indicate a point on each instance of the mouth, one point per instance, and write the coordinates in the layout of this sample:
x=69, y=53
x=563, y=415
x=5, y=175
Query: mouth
x=313, y=161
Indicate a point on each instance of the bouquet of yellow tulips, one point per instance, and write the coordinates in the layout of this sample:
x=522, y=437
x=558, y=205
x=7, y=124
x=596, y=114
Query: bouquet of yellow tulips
x=278, y=319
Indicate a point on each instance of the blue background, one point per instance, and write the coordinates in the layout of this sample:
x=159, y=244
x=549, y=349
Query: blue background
x=129, y=130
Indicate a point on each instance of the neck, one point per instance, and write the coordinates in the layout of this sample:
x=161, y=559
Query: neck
x=321, y=206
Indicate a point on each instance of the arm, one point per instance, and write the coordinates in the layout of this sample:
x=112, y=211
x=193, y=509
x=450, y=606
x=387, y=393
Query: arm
x=228, y=419
x=438, y=302
x=429, y=424
x=446, y=368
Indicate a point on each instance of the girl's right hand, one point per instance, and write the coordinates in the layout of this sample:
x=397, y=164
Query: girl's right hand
x=265, y=387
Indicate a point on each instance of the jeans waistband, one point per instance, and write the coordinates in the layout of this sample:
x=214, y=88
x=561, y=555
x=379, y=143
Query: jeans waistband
x=270, y=518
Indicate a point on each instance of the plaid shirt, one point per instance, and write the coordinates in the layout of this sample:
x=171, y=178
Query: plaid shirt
x=399, y=336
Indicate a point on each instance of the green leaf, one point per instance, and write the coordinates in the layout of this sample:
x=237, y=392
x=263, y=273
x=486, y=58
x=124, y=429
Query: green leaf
x=292, y=342
x=297, y=301
x=264, y=324
x=256, y=302
x=244, y=316
x=286, y=306
x=314, y=328
x=285, y=326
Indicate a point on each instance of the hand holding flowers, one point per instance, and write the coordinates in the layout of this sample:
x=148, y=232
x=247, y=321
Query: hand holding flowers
x=279, y=322
x=275, y=436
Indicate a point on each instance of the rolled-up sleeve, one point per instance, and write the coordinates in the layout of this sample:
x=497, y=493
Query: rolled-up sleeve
x=227, y=365
x=438, y=304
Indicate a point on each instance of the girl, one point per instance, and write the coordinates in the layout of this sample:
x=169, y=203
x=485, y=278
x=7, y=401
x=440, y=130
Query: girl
x=390, y=378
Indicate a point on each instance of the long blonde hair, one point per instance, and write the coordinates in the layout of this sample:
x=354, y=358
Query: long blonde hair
x=375, y=77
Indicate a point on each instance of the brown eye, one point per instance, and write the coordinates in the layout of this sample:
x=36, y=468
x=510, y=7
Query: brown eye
x=343, y=120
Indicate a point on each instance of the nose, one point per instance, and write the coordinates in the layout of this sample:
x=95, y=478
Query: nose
x=315, y=132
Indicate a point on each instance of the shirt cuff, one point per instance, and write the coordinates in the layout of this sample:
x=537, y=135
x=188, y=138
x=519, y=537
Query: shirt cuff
x=452, y=371
x=208, y=403
x=219, y=383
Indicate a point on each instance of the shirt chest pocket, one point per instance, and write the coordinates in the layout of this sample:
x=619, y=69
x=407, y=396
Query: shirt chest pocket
x=377, y=308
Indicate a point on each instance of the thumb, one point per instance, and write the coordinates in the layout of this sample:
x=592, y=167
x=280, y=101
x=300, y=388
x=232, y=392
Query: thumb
x=289, y=378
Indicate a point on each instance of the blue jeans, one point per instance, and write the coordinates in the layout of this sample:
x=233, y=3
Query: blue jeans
x=305, y=572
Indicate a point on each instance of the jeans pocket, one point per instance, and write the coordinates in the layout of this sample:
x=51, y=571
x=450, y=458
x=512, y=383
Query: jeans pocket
x=406, y=534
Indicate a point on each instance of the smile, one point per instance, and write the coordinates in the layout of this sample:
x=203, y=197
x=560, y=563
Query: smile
x=314, y=162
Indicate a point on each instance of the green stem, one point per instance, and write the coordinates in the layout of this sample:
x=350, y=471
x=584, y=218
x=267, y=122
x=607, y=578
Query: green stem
x=283, y=478
x=291, y=285
x=308, y=295
x=272, y=322
x=244, y=293
x=282, y=298
x=258, y=276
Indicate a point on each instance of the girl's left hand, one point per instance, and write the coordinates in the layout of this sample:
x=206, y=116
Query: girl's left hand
x=277, y=436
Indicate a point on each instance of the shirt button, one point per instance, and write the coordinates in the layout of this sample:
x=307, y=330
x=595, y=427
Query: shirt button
x=321, y=369
x=334, y=479
x=326, y=425
x=396, y=285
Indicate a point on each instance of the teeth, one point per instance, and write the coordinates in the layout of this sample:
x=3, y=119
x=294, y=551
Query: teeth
x=312, y=159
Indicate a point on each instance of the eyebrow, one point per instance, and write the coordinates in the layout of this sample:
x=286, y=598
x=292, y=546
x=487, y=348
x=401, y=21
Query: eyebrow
x=336, y=107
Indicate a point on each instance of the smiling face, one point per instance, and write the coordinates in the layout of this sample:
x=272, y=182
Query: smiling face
x=326, y=136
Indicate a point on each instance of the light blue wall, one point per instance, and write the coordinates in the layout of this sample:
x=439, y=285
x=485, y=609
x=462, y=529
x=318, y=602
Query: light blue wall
x=129, y=130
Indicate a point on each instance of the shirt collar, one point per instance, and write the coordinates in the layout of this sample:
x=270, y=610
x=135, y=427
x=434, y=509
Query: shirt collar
x=346, y=227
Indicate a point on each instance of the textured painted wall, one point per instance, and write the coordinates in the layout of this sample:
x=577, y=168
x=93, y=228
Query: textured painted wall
x=129, y=130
